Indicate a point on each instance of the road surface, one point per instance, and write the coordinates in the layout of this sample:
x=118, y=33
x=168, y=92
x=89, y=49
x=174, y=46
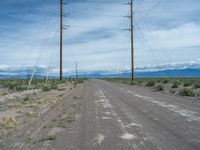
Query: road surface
x=111, y=116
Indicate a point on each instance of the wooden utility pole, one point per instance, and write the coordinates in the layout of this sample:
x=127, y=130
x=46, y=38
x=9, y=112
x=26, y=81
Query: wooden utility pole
x=76, y=70
x=132, y=39
x=61, y=38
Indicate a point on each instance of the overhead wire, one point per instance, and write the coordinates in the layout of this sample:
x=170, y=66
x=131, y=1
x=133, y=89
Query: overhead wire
x=149, y=47
x=40, y=34
x=148, y=12
x=156, y=40
x=101, y=3
x=47, y=31
x=105, y=28
x=122, y=57
x=51, y=62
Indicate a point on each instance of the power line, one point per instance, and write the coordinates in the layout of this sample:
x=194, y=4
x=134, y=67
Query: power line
x=105, y=28
x=102, y=3
x=156, y=38
x=41, y=33
x=47, y=31
x=147, y=13
x=76, y=70
x=61, y=38
x=132, y=39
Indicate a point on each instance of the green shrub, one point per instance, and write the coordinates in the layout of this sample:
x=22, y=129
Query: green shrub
x=9, y=122
x=150, y=84
x=54, y=86
x=172, y=91
x=198, y=94
x=5, y=93
x=139, y=83
x=159, y=87
x=45, y=89
x=51, y=137
x=187, y=92
x=26, y=99
x=20, y=88
x=132, y=83
x=175, y=84
x=196, y=85
x=166, y=81
x=186, y=84
x=80, y=81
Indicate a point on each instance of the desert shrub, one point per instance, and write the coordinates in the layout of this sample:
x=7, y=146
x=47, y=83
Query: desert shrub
x=198, y=94
x=20, y=88
x=26, y=98
x=51, y=137
x=9, y=122
x=5, y=93
x=31, y=114
x=139, y=82
x=175, y=84
x=54, y=86
x=196, y=85
x=75, y=83
x=186, y=84
x=133, y=83
x=158, y=81
x=186, y=92
x=80, y=80
x=172, y=91
x=159, y=87
x=150, y=84
x=166, y=81
x=45, y=88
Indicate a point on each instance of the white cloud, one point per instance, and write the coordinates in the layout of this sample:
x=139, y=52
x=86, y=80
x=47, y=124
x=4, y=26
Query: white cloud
x=93, y=44
x=42, y=70
x=171, y=66
x=185, y=35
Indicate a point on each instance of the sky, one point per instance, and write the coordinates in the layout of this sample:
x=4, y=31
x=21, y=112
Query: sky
x=97, y=36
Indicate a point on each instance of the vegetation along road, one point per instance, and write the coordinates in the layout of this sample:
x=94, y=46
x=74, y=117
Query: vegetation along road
x=102, y=115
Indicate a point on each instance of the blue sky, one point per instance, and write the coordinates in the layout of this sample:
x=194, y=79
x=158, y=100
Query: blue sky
x=98, y=38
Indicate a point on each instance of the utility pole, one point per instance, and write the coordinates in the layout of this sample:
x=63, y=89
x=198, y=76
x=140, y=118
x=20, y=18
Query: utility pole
x=61, y=39
x=76, y=70
x=132, y=39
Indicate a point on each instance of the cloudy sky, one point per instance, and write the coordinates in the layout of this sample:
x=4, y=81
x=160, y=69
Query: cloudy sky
x=166, y=32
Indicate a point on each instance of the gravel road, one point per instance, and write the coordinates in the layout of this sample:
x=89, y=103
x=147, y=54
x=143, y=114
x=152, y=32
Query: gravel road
x=111, y=116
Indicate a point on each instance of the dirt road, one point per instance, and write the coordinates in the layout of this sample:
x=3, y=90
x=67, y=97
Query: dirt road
x=110, y=116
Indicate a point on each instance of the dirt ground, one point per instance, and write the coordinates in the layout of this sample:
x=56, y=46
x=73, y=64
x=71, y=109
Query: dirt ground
x=34, y=117
x=99, y=115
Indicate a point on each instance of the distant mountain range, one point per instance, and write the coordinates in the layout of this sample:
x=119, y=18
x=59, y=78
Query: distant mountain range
x=180, y=69
x=126, y=74
x=153, y=74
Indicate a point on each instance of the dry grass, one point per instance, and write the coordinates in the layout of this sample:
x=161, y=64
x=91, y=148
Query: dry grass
x=181, y=86
x=10, y=122
x=32, y=114
x=187, y=92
